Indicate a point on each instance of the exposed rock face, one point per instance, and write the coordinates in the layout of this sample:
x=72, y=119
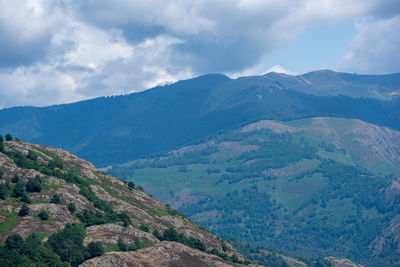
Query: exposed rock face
x=108, y=235
x=168, y=254
x=338, y=262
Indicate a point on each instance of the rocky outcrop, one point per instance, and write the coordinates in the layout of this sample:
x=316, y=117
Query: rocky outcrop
x=109, y=234
x=168, y=254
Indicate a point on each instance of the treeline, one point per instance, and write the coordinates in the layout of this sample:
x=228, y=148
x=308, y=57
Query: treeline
x=62, y=249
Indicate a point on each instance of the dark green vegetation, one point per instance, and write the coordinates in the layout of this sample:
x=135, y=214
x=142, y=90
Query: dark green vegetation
x=116, y=129
x=298, y=187
x=63, y=248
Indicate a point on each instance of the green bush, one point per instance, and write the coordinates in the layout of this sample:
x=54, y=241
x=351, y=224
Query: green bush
x=25, y=199
x=122, y=245
x=95, y=249
x=71, y=207
x=43, y=215
x=14, y=241
x=15, y=179
x=23, y=211
x=144, y=228
x=19, y=189
x=34, y=185
x=4, y=189
x=32, y=155
x=56, y=199
x=9, y=137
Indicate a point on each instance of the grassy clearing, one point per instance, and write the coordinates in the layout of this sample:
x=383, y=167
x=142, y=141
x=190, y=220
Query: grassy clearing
x=9, y=223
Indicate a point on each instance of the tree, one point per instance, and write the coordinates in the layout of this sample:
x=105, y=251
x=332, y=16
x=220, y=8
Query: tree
x=122, y=245
x=19, y=189
x=14, y=241
x=4, y=188
x=71, y=207
x=9, y=137
x=144, y=228
x=34, y=185
x=140, y=188
x=25, y=199
x=1, y=138
x=95, y=249
x=15, y=178
x=32, y=155
x=67, y=243
x=56, y=199
x=23, y=211
x=131, y=185
x=43, y=215
x=17, y=139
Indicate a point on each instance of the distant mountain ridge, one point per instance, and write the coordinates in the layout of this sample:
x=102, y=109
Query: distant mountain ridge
x=110, y=130
x=327, y=82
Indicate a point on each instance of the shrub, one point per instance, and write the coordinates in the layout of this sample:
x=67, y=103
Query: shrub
x=131, y=185
x=95, y=249
x=122, y=245
x=15, y=179
x=23, y=211
x=34, y=185
x=157, y=234
x=71, y=207
x=56, y=199
x=144, y=228
x=140, y=188
x=14, y=241
x=19, y=189
x=32, y=155
x=9, y=137
x=4, y=188
x=43, y=215
x=25, y=199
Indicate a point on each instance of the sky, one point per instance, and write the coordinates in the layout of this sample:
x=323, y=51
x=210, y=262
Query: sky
x=61, y=51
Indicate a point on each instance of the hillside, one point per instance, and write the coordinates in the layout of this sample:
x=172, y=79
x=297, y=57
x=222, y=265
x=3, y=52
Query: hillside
x=56, y=210
x=326, y=82
x=309, y=187
x=111, y=130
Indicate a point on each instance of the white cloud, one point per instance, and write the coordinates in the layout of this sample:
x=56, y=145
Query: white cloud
x=61, y=51
x=376, y=47
x=279, y=69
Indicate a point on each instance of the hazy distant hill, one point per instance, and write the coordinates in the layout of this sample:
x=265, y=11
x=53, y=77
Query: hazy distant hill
x=327, y=82
x=117, y=129
x=309, y=187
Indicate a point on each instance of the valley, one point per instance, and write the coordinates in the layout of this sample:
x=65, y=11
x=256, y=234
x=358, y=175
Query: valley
x=297, y=186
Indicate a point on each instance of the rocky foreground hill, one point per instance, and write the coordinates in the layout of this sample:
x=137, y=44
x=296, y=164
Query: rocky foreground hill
x=59, y=210
x=44, y=189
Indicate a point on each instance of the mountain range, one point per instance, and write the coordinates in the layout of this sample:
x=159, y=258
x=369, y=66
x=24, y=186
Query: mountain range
x=111, y=130
x=304, y=164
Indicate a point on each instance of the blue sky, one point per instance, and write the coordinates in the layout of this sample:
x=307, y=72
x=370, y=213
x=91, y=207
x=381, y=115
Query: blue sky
x=62, y=51
x=317, y=47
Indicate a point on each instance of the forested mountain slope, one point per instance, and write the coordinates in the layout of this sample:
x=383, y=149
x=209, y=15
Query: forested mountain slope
x=111, y=130
x=309, y=187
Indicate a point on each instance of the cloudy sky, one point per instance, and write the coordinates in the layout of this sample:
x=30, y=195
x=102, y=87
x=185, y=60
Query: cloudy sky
x=58, y=51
